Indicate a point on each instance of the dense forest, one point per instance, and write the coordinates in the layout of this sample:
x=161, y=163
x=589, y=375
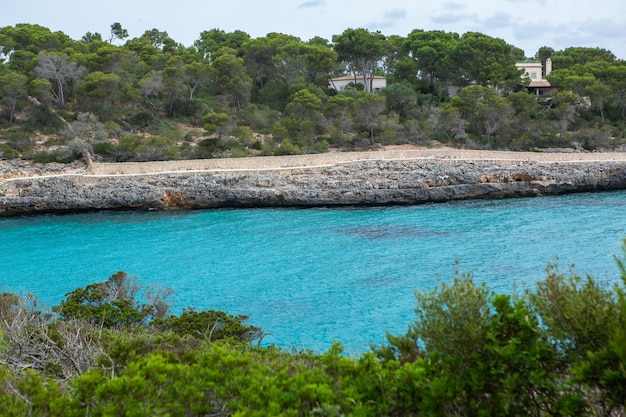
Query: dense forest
x=114, y=349
x=150, y=98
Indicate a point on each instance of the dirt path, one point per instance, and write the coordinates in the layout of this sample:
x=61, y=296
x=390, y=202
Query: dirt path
x=294, y=161
x=15, y=169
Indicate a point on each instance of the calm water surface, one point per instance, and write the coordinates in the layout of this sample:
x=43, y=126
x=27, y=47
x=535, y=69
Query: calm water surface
x=311, y=276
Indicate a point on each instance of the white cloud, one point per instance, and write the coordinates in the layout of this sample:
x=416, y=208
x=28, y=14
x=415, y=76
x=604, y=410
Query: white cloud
x=498, y=20
x=395, y=14
x=449, y=19
x=312, y=3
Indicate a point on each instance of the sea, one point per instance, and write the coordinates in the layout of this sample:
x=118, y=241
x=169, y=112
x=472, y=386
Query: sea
x=312, y=276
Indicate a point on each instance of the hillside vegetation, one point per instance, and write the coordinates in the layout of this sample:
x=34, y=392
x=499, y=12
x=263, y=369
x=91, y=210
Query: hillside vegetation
x=150, y=98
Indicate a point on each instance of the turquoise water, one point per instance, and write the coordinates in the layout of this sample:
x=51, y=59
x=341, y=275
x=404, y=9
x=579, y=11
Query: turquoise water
x=311, y=276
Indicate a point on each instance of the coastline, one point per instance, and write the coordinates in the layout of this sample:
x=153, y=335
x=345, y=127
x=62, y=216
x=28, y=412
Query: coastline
x=378, y=177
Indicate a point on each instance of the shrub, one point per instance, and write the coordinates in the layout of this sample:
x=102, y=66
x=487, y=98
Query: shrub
x=209, y=325
x=44, y=157
x=19, y=140
x=113, y=303
x=287, y=148
x=8, y=152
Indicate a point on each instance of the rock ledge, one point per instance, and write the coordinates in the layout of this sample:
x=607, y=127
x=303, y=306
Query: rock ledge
x=27, y=189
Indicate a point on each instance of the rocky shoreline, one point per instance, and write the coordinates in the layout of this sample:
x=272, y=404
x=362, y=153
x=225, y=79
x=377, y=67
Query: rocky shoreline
x=382, y=178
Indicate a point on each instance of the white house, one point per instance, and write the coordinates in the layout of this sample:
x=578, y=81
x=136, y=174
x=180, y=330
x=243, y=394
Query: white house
x=534, y=71
x=340, y=83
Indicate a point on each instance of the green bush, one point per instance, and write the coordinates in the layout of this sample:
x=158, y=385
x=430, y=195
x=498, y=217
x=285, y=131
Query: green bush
x=44, y=157
x=111, y=304
x=19, y=140
x=287, y=148
x=105, y=149
x=209, y=325
x=8, y=152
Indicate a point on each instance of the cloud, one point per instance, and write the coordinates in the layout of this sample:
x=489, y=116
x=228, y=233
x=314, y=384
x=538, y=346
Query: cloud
x=311, y=4
x=450, y=5
x=447, y=19
x=390, y=18
x=395, y=14
x=499, y=20
x=383, y=24
x=593, y=33
x=603, y=33
x=583, y=32
x=542, y=2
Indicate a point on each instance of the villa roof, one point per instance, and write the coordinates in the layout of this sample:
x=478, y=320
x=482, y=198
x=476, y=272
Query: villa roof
x=358, y=77
x=539, y=84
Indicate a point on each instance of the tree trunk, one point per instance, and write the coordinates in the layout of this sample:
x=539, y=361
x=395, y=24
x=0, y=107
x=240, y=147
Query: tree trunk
x=170, y=110
x=60, y=95
x=13, y=105
x=236, y=97
x=602, y=115
x=365, y=83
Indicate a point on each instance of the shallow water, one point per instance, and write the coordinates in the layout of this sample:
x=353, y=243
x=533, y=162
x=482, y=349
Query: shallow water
x=311, y=276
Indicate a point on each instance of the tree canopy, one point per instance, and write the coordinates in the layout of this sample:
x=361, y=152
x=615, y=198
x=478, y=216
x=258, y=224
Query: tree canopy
x=153, y=89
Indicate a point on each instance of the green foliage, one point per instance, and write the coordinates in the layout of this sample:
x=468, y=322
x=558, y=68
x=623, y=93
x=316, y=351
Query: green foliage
x=485, y=111
x=485, y=60
x=305, y=106
x=401, y=99
x=244, y=135
x=45, y=397
x=99, y=90
x=8, y=152
x=577, y=313
x=288, y=148
x=339, y=109
x=12, y=87
x=451, y=321
x=432, y=52
x=209, y=325
x=215, y=122
x=583, y=320
x=232, y=78
x=110, y=304
x=135, y=148
x=274, y=95
x=572, y=56
x=157, y=385
x=20, y=141
x=45, y=157
x=361, y=50
x=367, y=108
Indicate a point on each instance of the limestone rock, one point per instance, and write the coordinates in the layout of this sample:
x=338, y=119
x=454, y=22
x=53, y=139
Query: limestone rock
x=362, y=182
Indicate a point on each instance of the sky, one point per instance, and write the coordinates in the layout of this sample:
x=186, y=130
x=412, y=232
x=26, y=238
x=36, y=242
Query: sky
x=526, y=24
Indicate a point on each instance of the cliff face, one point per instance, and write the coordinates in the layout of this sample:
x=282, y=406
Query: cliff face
x=363, y=182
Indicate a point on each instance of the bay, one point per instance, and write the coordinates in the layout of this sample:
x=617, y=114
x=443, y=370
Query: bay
x=311, y=276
